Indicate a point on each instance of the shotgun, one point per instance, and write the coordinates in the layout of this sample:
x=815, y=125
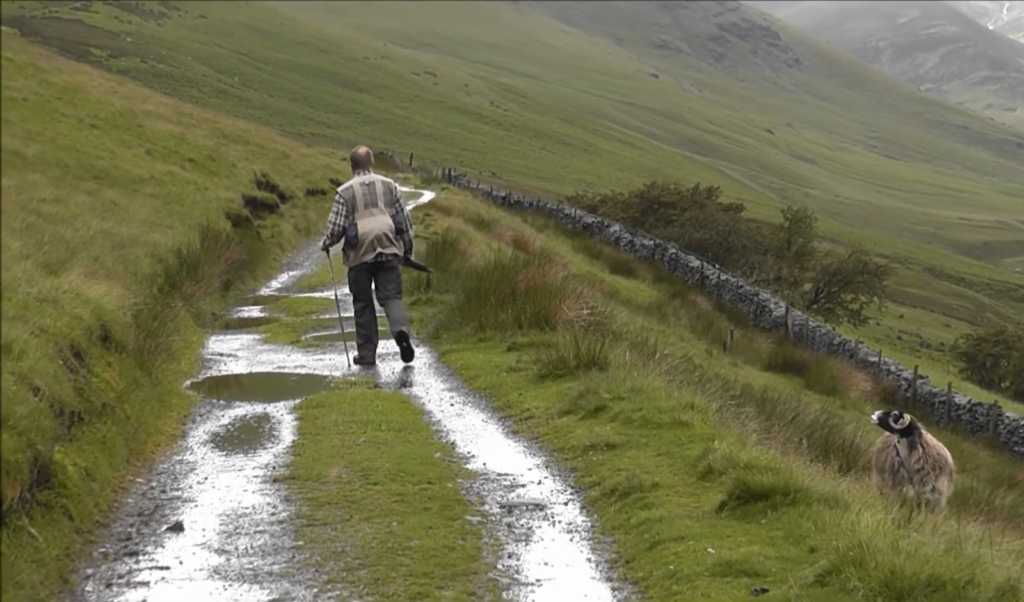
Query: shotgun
x=409, y=262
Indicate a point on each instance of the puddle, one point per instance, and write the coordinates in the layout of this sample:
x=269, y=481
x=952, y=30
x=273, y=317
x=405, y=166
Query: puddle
x=249, y=311
x=245, y=434
x=279, y=282
x=235, y=545
x=263, y=387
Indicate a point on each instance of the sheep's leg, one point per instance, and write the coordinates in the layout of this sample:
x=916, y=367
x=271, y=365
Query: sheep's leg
x=935, y=498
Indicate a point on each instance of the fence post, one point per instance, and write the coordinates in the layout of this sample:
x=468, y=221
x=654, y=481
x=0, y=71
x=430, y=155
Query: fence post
x=701, y=280
x=732, y=337
x=410, y=160
x=993, y=417
x=789, y=332
x=949, y=402
x=913, y=386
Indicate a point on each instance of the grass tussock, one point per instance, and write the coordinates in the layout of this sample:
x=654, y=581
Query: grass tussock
x=573, y=352
x=442, y=252
x=770, y=490
x=788, y=420
x=507, y=291
x=818, y=372
x=192, y=280
x=759, y=452
x=926, y=566
x=617, y=262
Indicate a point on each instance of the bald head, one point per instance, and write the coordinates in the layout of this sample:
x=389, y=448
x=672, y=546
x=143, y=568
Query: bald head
x=361, y=158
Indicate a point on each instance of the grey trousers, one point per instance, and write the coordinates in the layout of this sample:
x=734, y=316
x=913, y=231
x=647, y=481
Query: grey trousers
x=386, y=277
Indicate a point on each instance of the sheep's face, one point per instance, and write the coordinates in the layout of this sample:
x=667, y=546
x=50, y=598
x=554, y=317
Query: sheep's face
x=896, y=422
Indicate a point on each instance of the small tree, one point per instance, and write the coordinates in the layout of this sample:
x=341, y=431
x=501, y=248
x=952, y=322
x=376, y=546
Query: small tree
x=841, y=288
x=785, y=259
x=993, y=358
x=791, y=254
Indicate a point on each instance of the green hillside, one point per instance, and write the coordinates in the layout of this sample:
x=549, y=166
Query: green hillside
x=517, y=97
x=116, y=252
x=108, y=275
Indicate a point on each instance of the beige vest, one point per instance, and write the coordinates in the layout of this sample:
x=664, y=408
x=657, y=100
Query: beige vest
x=371, y=201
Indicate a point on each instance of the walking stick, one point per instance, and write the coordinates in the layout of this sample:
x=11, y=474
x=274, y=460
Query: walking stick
x=337, y=304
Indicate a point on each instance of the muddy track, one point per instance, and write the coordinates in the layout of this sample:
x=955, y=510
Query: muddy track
x=210, y=521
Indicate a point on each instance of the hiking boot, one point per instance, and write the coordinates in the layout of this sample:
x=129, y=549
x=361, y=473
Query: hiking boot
x=363, y=361
x=405, y=346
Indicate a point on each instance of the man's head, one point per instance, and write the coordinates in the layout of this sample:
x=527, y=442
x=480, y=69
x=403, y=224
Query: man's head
x=361, y=159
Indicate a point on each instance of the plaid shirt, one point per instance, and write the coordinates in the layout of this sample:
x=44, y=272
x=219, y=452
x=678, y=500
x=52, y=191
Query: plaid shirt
x=340, y=218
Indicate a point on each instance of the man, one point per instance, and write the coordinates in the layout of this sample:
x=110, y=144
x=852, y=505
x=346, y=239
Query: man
x=370, y=217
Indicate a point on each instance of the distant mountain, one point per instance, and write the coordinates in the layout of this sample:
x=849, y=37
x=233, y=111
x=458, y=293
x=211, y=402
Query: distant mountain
x=943, y=48
x=1004, y=17
x=725, y=35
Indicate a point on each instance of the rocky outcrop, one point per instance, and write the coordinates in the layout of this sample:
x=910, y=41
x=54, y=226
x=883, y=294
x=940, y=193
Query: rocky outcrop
x=769, y=313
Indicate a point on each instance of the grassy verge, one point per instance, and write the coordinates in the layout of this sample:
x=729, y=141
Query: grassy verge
x=712, y=472
x=910, y=335
x=122, y=235
x=381, y=512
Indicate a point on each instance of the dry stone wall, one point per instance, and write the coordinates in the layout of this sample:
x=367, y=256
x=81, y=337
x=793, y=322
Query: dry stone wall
x=769, y=313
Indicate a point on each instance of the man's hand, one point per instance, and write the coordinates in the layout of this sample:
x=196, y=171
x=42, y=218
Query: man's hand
x=325, y=245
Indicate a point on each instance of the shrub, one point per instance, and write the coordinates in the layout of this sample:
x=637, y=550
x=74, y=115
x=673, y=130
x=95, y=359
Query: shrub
x=993, y=358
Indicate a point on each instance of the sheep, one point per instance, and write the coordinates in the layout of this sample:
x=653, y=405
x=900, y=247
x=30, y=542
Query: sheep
x=908, y=459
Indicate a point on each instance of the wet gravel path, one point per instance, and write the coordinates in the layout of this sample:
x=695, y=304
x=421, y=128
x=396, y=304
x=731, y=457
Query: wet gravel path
x=210, y=522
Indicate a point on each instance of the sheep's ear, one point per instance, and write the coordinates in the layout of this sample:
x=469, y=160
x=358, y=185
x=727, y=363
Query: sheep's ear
x=903, y=421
